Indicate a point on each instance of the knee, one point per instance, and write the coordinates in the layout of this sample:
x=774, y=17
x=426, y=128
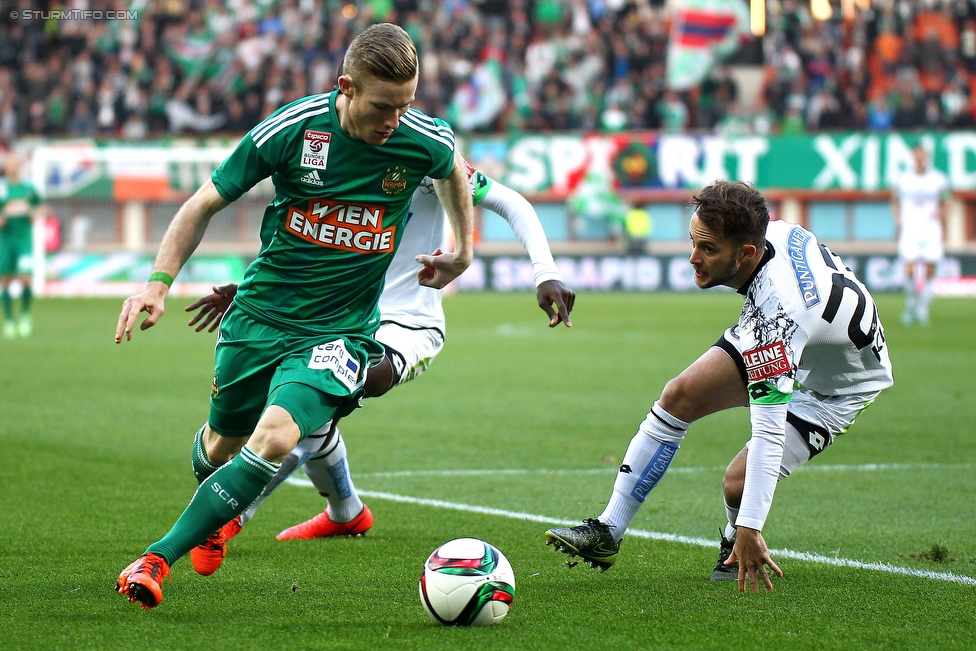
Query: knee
x=732, y=487
x=276, y=435
x=677, y=399
x=272, y=444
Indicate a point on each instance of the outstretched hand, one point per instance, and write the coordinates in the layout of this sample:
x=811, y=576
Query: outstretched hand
x=151, y=300
x=212, y=307
x=554, y=292
x=750, y=550
x=440, y=268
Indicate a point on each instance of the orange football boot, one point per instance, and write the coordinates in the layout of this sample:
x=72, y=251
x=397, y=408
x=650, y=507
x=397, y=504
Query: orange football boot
x=141, y=581
x=232, y=528
x=208, y=555
x=322, y=527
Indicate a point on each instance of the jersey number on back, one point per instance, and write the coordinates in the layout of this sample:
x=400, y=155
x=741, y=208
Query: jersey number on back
x=874, y=337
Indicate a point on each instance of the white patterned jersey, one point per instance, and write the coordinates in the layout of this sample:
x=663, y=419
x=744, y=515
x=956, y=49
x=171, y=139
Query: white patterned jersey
x=808, y=319
x=809, y=324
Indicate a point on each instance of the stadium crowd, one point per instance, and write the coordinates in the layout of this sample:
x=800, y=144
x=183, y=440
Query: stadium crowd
x=207, y=66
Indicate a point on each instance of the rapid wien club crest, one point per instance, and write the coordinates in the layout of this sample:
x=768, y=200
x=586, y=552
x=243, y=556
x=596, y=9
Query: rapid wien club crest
x=395, y=181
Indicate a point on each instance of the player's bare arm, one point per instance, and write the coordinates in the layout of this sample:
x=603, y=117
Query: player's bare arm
x=182, y=238
x=454, y=194
x=750, y=550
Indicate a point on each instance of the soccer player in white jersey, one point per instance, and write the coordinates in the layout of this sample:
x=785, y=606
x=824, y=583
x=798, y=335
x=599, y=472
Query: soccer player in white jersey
x=807, y=356
x=412, y=331
x=919, y=199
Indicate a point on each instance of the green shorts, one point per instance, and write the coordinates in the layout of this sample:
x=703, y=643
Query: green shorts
x=315, y=378
x=16, y=253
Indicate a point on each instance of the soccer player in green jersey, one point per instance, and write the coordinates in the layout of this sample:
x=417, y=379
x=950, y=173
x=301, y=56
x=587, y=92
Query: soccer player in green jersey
x=413, y=330
x=293, y=350
x=20, y=205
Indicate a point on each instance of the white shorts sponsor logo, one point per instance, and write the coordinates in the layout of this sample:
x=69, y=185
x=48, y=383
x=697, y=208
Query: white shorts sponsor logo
x=315, y=149
x=766, y=361
x=334, y=357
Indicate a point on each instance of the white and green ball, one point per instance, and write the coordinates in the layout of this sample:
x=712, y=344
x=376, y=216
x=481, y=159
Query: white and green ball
x=467, y=582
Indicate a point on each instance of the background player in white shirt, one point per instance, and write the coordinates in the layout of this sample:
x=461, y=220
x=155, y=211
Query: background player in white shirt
x=412, y=330
x=807, y=356
x=919, y=199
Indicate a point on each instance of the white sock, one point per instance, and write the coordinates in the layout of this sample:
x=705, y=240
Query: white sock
x=647, y=459
x=329, y=472
x=910, y=296
x=730, y=530
x=924, y=299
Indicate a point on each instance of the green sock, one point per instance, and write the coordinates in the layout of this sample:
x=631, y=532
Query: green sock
x=202, y=467
x=25, y=300
x=222, y=497
x=8, y=305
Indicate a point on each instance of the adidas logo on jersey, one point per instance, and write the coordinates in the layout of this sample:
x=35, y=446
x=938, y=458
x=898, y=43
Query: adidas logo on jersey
x=312, y=178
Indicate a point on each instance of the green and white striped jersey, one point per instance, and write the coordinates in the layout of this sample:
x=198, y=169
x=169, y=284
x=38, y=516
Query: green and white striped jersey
x=338, y=213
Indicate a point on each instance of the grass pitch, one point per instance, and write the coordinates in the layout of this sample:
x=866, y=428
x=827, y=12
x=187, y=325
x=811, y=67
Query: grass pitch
x=96, y=443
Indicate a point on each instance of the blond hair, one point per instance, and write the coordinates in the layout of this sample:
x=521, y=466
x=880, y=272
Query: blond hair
x=385, y=52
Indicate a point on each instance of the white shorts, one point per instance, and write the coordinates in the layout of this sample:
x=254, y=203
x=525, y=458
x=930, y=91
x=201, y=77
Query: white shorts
x=411, y=350
x=921, y=246
x=812, y=420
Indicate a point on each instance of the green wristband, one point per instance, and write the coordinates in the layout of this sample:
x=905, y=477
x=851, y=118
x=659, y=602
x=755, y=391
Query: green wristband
x=162, y=277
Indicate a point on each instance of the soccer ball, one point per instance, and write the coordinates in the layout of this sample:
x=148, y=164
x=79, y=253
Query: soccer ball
x=467, y=582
